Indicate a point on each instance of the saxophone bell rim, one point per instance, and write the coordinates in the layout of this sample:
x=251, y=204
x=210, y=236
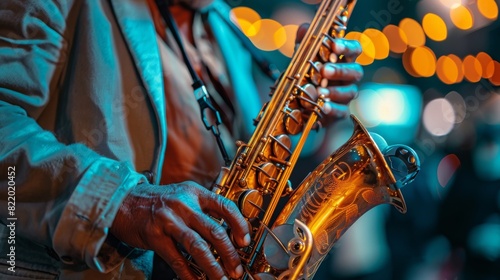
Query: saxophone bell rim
x=394, y=186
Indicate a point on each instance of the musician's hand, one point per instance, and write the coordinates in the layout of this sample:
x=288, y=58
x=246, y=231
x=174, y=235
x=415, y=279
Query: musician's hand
x=159, y=218
x=341, y=77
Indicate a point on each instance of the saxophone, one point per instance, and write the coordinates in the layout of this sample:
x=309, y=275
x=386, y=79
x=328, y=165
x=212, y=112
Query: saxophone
x=351, y=181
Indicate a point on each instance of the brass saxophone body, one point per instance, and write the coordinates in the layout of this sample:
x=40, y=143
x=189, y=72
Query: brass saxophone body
x=331, y=198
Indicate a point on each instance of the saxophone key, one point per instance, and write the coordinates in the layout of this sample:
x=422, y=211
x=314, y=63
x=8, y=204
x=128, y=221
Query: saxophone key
x=250, y=203
x=308, y=96
x=294, y=122
x=314, y=74
x=266, y=177
x=282, y=146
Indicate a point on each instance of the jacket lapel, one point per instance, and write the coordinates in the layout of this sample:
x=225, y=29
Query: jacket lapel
x=238, y=64
x=137, y=27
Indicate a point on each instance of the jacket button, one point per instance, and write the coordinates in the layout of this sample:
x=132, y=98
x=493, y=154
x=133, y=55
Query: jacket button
x=149, y=176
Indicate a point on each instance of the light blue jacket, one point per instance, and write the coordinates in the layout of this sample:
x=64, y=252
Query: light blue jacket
x=82, y=115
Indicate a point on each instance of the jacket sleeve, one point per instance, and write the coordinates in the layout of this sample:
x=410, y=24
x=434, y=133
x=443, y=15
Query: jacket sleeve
x=61, y=196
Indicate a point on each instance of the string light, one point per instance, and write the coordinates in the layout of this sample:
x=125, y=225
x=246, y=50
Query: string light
x=488, y=8
x=408, y=38
x=461, y=17
x=434, y=27
x=413, y=31
x=380, y=42
x=398, y=42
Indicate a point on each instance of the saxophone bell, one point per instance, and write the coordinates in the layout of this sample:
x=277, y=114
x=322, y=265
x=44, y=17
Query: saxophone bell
x=351, y=181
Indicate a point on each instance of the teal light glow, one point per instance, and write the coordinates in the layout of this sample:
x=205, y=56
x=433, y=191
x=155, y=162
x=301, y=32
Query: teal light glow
x=389, y=109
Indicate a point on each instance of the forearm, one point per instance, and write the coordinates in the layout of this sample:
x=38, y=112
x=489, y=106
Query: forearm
x=66, y=195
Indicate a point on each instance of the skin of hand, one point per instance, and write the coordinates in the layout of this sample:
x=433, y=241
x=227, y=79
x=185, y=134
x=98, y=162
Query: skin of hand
x=342, y=77
x=160, y=218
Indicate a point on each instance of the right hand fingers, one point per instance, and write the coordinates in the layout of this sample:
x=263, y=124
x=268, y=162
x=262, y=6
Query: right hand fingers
x=192, y=226
x=224, y=208
x=192, y=243
x=216, y=235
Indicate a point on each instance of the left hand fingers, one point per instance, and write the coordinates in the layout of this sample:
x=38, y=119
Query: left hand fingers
x=340, y=94
x=334, y=111
x=345, y=72
x=351, y=49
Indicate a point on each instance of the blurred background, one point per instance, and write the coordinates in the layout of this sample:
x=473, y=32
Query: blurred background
x=431, y=81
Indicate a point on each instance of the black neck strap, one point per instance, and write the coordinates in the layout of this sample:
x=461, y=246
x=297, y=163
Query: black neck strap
x=209, y=114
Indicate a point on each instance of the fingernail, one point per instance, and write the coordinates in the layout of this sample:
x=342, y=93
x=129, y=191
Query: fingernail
x=327, y=108
x=246, y=240
x=339, y=47
x=239, y=270
x=323, y=92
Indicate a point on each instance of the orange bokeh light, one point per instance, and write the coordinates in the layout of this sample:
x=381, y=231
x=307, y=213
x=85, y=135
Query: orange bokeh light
x=458, y=63
x=447, y=70
x=495, y=78
x=380, y=42
x=472, y=69
x=245, y=18
x=461, y=17
x=413, y=31
x=271, y=35
x=423, y=61
x=488, y=8
x=434, y=27
x=289, y=47
x=487, y=64
x=398, y=42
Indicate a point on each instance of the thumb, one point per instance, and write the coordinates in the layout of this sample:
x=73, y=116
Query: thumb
x=301, y=32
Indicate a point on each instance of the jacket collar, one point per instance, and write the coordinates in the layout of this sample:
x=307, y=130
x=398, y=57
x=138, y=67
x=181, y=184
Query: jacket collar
x=134, y=19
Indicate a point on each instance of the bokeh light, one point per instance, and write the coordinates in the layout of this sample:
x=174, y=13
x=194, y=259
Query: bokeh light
x=447, y=168
x=246, y=18
x=392, y=106
x=288, y=48
x=472, y=69
x=413, y=31
x=487, y=64
x=379, y=41
x=458, y=63
x=461, y=17
x=438, y=117
x=398, y=42
x=368, y=55
x=495, y=78
x=271, y=35
x=446, y=70
x=423, y=61
x=384, y=106
x=434, y=27
x=488, y=8
x=366, y=99
x=459, y=107
x=407, y=62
